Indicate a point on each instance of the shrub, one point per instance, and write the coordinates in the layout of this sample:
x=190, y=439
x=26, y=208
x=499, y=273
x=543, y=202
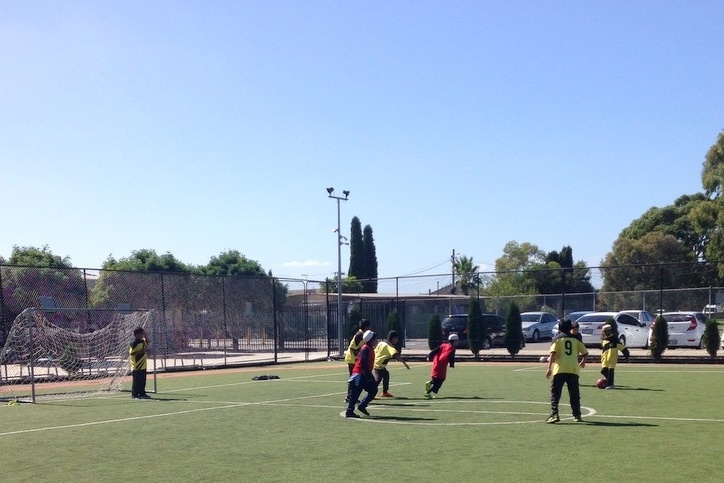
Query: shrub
x=393, y=323
x=711, y=337
x=475, y=327
x=659, y=337
x=434, y=332
x=513, y=330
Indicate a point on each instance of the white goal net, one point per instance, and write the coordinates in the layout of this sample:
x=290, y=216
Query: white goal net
x=63, y=353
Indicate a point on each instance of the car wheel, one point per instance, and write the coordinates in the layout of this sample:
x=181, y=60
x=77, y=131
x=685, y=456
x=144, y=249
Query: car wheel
x=487, y=343
x=536, y=336
x=701, y=343
x=622, y=339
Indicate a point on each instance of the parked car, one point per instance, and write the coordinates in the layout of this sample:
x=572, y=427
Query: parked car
x=631, y=332
x=494, y=330
x=538, y=325
x=572, y=316
x=643, y=315
x=685, y=329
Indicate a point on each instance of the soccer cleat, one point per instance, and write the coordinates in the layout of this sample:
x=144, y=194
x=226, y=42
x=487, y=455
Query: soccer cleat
x=351, y=414
x=363, y=410
x=553, y=418
x=577, y=419
x=610, y=387
x=428, y=385
x=144, y=396
x=428, y=395
x=387, y=394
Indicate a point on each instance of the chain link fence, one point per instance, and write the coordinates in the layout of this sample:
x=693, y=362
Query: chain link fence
x=220, y=320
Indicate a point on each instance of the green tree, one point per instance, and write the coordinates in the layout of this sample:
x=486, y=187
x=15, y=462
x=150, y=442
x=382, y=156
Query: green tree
x=232, y=262
x=512, y=277
x=38, y=257
x=434, y=332
x=636, y=264
x=36, y=272
x=357, y=265
x=146, y=260
x=349, y=285
x=371, y=271
x=354, y=317
x=711, y=337
x=513, y=329
x=476, y=331
x=466, y=272
x=712, y=173
x=659, y=337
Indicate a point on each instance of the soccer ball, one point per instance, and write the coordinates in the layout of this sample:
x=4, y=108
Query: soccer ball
x=544, y=359
x=602, y=383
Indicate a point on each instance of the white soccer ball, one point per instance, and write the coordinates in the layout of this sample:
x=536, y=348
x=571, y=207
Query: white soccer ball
x=544, y=359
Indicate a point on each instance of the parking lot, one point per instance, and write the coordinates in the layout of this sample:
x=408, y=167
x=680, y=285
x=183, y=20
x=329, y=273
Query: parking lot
x=419, y=348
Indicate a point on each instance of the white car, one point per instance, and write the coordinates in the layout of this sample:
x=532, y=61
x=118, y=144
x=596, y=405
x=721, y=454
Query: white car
x=573, y=316
x=685, y=329
x=631, y=332
x=538, y=325
x=643, y=315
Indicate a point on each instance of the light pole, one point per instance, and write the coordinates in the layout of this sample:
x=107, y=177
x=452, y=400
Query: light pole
x=340, y=311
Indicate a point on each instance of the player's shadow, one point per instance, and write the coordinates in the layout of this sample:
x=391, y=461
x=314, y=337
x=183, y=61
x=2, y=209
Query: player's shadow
x=443, y=398
x=401, y=418
x=628, y=388
x=613, y=424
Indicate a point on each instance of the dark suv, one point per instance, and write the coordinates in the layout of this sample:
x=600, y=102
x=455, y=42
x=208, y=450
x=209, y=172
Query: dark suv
x=493, y=328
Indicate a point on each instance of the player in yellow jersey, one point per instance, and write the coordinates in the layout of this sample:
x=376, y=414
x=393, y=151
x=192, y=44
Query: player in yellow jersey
x=564, y=366
x=384, y=353
x=139, y=360
x=610, y=348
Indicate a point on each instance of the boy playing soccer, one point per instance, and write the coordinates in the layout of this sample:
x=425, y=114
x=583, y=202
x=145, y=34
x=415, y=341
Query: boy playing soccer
x=362, y=378
x=440, y=357
x=564, y=366
x=610, y=347
x=139, y=360
x=384, y=352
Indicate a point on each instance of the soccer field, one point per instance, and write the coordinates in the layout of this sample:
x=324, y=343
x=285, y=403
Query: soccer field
x=662, y=423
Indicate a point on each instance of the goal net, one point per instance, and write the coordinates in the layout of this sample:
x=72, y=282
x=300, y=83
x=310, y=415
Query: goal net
x=64, y=353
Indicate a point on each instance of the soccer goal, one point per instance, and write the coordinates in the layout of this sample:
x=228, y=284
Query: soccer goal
x=64, y=353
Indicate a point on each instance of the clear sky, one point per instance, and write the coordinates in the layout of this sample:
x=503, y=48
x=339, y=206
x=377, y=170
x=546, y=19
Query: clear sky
x=195, y=127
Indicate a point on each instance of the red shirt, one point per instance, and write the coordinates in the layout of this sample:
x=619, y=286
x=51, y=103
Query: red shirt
x=440, y=358
x=365, y=361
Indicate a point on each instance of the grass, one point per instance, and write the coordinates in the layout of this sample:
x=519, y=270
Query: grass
x=662, y=423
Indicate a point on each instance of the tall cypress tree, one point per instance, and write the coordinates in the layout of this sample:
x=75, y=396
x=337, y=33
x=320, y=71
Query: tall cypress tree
x=371, y=274
x=356, y=251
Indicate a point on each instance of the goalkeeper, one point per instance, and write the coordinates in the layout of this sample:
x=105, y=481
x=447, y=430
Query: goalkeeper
x=139, y=359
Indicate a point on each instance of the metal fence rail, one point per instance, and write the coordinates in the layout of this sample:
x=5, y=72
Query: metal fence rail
x=222, y=320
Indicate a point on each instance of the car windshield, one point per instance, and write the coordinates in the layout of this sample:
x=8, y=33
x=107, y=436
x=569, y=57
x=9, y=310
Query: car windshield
x=678, y=317
x=529, y=317
x=593, y=318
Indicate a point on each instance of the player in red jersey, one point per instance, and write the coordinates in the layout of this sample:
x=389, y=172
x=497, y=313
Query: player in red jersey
x=440, y=357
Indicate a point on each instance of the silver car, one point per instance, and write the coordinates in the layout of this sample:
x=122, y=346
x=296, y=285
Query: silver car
x=537, y=325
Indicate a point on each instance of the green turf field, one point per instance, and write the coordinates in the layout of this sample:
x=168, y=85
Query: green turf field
x=662, y=423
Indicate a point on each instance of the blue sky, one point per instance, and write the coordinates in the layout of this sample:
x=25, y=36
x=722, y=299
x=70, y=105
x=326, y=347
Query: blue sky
x=199, y=127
